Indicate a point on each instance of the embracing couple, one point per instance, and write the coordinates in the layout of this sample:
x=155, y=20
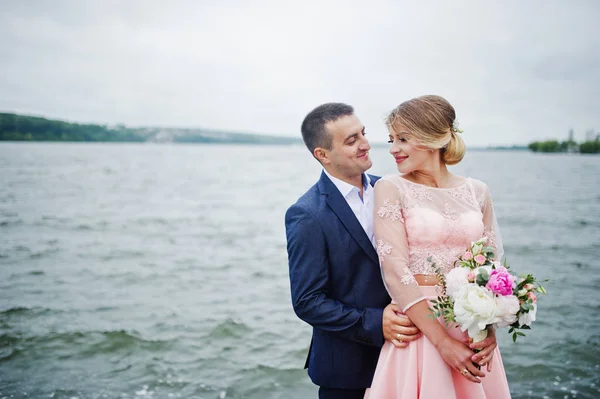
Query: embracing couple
x=361, y=249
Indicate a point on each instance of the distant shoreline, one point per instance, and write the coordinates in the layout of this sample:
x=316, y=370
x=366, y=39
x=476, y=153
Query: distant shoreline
x=567, y=146
x=298, y=144
x=25, y=128
x=15, y=127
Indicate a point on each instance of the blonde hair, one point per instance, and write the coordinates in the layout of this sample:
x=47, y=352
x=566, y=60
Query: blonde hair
x=431, y=121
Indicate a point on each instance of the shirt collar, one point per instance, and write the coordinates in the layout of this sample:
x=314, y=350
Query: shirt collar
x=346, y=188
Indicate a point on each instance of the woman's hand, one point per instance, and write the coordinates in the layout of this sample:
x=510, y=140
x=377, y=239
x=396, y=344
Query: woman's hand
x=459, y=357
x=487, y=348
x=456, y=353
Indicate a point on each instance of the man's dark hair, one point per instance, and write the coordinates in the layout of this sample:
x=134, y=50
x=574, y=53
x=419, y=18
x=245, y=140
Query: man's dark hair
x=313, y=129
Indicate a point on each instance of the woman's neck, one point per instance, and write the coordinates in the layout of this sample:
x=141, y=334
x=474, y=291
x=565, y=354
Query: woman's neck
x=436, y=177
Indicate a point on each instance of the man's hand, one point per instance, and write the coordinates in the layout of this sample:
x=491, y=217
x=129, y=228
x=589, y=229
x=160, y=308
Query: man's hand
x=397, y=327
x=487, y=347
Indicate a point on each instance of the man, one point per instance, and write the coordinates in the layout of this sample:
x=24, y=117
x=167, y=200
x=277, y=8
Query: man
x=335, y=278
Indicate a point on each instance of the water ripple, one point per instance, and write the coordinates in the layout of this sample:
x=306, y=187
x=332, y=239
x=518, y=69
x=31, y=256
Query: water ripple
x=142, y=275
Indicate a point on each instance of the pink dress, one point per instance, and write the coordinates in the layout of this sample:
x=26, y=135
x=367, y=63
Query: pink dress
x=414, y=222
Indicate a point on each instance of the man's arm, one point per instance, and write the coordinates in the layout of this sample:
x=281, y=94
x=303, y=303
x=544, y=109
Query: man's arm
x=309, y=278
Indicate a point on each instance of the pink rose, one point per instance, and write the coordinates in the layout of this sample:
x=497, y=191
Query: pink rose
x=529, y=286
x=501, y=282
x=467, y=255
x=532, y=296
x=471, y=276
x=480, y=259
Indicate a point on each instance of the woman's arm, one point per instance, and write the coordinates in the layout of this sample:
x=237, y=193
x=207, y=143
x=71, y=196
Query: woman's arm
x=392, y=245
x=492, y=233
x=490, y=224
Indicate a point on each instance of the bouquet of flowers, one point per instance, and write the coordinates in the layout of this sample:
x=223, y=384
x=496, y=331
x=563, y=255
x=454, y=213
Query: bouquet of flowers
x=481, y=292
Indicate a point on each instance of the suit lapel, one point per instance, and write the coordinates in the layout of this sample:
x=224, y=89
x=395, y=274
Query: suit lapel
x=340, y=207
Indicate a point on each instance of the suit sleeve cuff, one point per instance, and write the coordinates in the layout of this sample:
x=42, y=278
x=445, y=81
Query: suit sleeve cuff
x=373, y=325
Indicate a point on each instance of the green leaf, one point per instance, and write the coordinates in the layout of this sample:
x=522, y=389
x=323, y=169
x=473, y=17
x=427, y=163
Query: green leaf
x=488, y=249
x=541, y=289
x=483, y=277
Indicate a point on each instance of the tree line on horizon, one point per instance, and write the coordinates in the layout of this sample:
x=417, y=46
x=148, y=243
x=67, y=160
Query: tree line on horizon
x=570, y=145
x=15, y=127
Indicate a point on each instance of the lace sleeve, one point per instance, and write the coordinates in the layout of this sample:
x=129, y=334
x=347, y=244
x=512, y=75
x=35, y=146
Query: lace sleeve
x=392, y=245
x=491, y=230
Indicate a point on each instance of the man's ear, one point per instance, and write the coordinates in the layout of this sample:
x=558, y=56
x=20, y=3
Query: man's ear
x=322, y=155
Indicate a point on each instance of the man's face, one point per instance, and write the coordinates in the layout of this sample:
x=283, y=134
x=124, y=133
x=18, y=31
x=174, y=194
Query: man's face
x=349, y=153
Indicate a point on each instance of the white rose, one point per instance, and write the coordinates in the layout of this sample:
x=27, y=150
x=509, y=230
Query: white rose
x=525, y=319
x=507, y=308
x=474, y=308
x=455, y=280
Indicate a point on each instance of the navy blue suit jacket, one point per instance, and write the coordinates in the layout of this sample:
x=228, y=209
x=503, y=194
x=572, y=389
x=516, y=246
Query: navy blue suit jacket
x=336, y=287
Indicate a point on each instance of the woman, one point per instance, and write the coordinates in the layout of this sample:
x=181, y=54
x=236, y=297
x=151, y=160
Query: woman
x=423, y=216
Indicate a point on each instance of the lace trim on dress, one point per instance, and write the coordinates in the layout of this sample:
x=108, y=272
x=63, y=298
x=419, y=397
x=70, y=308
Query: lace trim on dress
x=491, y=236
x=383, y=249
x=419, y=192
x=464, y=192
x=408, y=278
x=416, y=192
x=443, y=257
x=449, y=212
x=392, y=211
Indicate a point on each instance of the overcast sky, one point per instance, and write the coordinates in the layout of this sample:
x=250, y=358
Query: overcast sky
x=514, y=70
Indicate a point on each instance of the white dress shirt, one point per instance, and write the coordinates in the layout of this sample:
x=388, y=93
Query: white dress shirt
x=361, y=207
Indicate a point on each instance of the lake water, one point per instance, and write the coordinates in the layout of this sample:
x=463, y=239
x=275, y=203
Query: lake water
x=160, y=271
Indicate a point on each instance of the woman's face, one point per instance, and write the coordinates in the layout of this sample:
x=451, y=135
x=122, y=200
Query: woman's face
x=408, y=154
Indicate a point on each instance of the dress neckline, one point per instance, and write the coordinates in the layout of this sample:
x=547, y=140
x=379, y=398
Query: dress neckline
x=464, y=183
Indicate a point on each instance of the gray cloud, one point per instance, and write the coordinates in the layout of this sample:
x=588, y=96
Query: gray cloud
x=515, y=71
